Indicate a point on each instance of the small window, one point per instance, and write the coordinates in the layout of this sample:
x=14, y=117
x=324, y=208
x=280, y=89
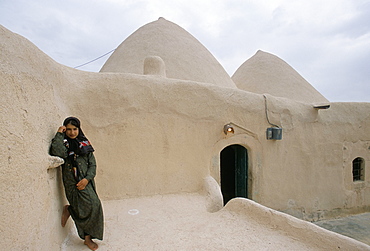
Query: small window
x=358, y=169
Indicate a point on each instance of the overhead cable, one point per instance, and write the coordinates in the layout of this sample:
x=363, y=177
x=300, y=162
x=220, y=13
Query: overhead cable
x=95, y=59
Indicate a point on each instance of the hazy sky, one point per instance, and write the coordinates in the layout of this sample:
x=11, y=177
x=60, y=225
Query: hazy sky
x=326, y=41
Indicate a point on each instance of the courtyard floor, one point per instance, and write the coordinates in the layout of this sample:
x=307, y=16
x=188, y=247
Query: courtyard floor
x=181, y=222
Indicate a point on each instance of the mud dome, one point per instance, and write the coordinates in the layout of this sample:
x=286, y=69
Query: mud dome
x=162, y=133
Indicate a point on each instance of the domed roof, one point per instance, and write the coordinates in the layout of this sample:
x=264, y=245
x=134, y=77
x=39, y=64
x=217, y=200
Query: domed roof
x=184, y=56
x=266, y=73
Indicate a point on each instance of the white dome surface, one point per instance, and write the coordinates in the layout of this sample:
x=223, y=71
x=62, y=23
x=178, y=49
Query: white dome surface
x=267, y=73
x=184, y=56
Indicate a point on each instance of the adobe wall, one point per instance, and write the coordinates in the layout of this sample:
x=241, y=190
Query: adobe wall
x=31, y=196
x=308, y=173
x=155, y=136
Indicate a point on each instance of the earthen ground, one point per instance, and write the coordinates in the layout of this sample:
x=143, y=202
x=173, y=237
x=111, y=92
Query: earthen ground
x=354, y=226
x=181, y=222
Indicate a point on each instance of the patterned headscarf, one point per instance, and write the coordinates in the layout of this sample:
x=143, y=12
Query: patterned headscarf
x=76, y=147
x=80, y=145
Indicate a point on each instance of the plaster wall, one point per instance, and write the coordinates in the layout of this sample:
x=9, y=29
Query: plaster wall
x=154, y=135
x=31, y=196
x=157, y=135
x=309, y=173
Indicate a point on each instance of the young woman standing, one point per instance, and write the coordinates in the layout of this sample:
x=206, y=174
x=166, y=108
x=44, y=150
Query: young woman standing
x=78, y=171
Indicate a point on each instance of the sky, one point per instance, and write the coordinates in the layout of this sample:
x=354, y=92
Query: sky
x=326, y=41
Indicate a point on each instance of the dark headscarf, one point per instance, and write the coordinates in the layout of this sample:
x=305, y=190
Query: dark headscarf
x=80, y=145
x=77, y=146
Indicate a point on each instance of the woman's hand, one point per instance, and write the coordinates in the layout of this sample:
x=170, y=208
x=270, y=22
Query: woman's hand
x=82, y=184
x=62, y=129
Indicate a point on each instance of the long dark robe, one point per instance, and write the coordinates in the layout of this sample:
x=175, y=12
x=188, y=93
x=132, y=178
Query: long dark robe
x=85, y=206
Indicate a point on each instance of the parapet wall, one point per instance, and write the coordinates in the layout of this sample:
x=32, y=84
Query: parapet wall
x=31, y=196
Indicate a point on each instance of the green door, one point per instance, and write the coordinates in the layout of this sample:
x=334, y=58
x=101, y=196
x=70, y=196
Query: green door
x=234, y=172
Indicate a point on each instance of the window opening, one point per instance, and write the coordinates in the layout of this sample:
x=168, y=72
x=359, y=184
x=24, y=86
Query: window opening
x=358, y=169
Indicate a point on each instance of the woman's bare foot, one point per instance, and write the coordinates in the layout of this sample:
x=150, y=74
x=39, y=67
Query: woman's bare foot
x=92, y=245
x=65, y=215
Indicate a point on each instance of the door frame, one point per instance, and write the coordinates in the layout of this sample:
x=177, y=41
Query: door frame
x=255, y=162
x=234, y=172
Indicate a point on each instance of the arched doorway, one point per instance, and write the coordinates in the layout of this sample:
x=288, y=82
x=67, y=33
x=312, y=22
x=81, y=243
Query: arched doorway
x=234, y=172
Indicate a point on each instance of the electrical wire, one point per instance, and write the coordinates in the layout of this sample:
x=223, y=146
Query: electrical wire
x=94, y=59
x=267, y=117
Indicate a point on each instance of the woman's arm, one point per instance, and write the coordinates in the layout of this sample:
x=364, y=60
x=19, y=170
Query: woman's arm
x=57, y=147
x=90, y=173
x=91, y=166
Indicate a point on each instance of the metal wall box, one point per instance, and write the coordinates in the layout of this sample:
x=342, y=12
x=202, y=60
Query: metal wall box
x=275, y=133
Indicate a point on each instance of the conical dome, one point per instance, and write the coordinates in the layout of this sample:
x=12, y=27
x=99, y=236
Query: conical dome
x=184, y=56
x=266, y=73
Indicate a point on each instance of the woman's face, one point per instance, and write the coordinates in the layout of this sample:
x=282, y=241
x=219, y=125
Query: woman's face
x=71, y=131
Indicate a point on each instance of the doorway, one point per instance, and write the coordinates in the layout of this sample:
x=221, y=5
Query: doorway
x=234, y=172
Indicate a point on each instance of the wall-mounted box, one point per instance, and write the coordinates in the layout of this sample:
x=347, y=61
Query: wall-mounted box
x=275, y=133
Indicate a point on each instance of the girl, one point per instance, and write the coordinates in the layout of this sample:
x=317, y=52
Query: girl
x=78, y=171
